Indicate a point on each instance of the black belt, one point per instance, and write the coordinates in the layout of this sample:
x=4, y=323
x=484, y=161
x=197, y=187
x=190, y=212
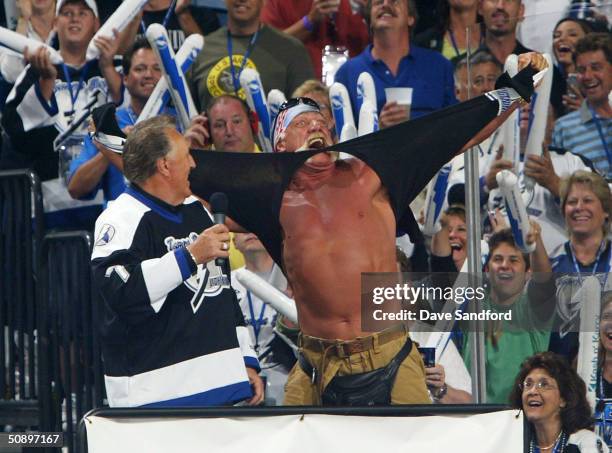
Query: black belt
x=372, y=388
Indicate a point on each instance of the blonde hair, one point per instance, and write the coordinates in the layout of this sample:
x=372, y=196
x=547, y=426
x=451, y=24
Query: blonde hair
x=597, y=184
x=310, y=86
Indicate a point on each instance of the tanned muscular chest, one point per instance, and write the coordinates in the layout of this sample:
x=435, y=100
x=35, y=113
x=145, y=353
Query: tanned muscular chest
x=347, y=203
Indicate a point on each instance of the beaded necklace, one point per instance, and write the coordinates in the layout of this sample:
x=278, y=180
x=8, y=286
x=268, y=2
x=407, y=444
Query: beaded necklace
x=559, y=444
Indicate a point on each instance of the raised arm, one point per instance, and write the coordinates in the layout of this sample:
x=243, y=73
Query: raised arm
x=537, y=63
x=108, y=49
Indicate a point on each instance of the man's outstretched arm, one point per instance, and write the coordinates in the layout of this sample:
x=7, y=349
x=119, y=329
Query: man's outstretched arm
x=537, y=63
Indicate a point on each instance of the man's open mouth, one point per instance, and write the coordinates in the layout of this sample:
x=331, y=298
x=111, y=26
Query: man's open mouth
x=316, y=142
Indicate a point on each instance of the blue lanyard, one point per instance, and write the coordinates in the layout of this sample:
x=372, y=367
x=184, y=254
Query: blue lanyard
x=74, y=96
x=132, y=114
x=167, y=17
x=602, y=247
x=604, y=142
x=236, y=78
x=256, y=323
x=491, y=143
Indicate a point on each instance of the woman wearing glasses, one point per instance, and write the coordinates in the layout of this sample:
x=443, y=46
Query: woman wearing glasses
x=553, y=399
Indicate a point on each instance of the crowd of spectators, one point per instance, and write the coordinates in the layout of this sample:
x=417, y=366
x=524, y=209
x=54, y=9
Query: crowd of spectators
x=570, y=205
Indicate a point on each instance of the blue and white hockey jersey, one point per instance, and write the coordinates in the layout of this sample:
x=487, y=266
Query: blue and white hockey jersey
x=173, y=333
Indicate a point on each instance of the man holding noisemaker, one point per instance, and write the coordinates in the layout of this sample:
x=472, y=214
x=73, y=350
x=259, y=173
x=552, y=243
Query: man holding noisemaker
x=48, y=97
x=91, y=170
x=522, y=287
x=310, y=210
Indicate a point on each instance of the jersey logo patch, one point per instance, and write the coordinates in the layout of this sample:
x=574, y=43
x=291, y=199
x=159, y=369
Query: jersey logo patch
x=209, y=281
x=106, y=235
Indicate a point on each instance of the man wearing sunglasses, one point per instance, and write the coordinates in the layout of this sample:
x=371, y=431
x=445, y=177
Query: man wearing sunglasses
x=354, y=227
x=326, y=221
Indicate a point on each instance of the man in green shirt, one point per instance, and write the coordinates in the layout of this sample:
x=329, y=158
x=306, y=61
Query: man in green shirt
x=281, y=60
x=521, y=285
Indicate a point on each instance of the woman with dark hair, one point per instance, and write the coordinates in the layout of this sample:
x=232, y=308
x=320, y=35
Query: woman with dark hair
x=449, y=35
x=566, y=34
x=553, y=399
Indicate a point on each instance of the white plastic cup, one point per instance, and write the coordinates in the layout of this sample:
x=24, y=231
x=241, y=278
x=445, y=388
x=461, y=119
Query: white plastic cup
x=401, y=95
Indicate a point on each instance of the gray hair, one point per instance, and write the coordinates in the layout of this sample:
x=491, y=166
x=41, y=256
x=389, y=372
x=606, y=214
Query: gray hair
x=145, y=144
x=479, y=57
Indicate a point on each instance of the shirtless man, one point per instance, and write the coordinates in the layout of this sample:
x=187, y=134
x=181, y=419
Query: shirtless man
x=335, y=220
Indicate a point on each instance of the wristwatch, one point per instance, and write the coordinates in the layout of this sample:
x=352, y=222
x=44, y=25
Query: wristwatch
x=439, y=393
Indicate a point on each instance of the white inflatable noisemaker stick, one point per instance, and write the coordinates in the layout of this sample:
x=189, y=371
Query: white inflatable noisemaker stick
x=185, y=57
x=510, y=130
x=18, y=43
x=256, y=99
x=589, y=298
x=268, y=293
x=122, y=16
x=366, y=90
x=435, y=201
x=341, y=108
x=368, y=119
x=177, y=84
x=275, y=100
x=539, y=115
x=515, y=209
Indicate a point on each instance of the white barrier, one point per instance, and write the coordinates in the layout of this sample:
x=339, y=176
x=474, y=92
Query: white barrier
x=499, y=432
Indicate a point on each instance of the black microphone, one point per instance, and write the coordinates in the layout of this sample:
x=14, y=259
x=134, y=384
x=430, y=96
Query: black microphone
x=218, y=206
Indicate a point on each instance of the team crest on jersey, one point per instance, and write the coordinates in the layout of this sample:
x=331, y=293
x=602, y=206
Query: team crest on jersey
x=209, y=281
x=106, y=235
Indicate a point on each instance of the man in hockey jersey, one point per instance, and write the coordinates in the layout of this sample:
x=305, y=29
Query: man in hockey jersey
x=326, y=221
x=174, y=333
x=45, y=100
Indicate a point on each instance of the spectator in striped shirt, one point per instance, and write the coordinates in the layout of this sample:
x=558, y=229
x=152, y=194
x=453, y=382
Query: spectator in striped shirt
x=588, y=130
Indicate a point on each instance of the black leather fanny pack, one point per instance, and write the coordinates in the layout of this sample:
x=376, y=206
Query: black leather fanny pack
x=372, y=388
